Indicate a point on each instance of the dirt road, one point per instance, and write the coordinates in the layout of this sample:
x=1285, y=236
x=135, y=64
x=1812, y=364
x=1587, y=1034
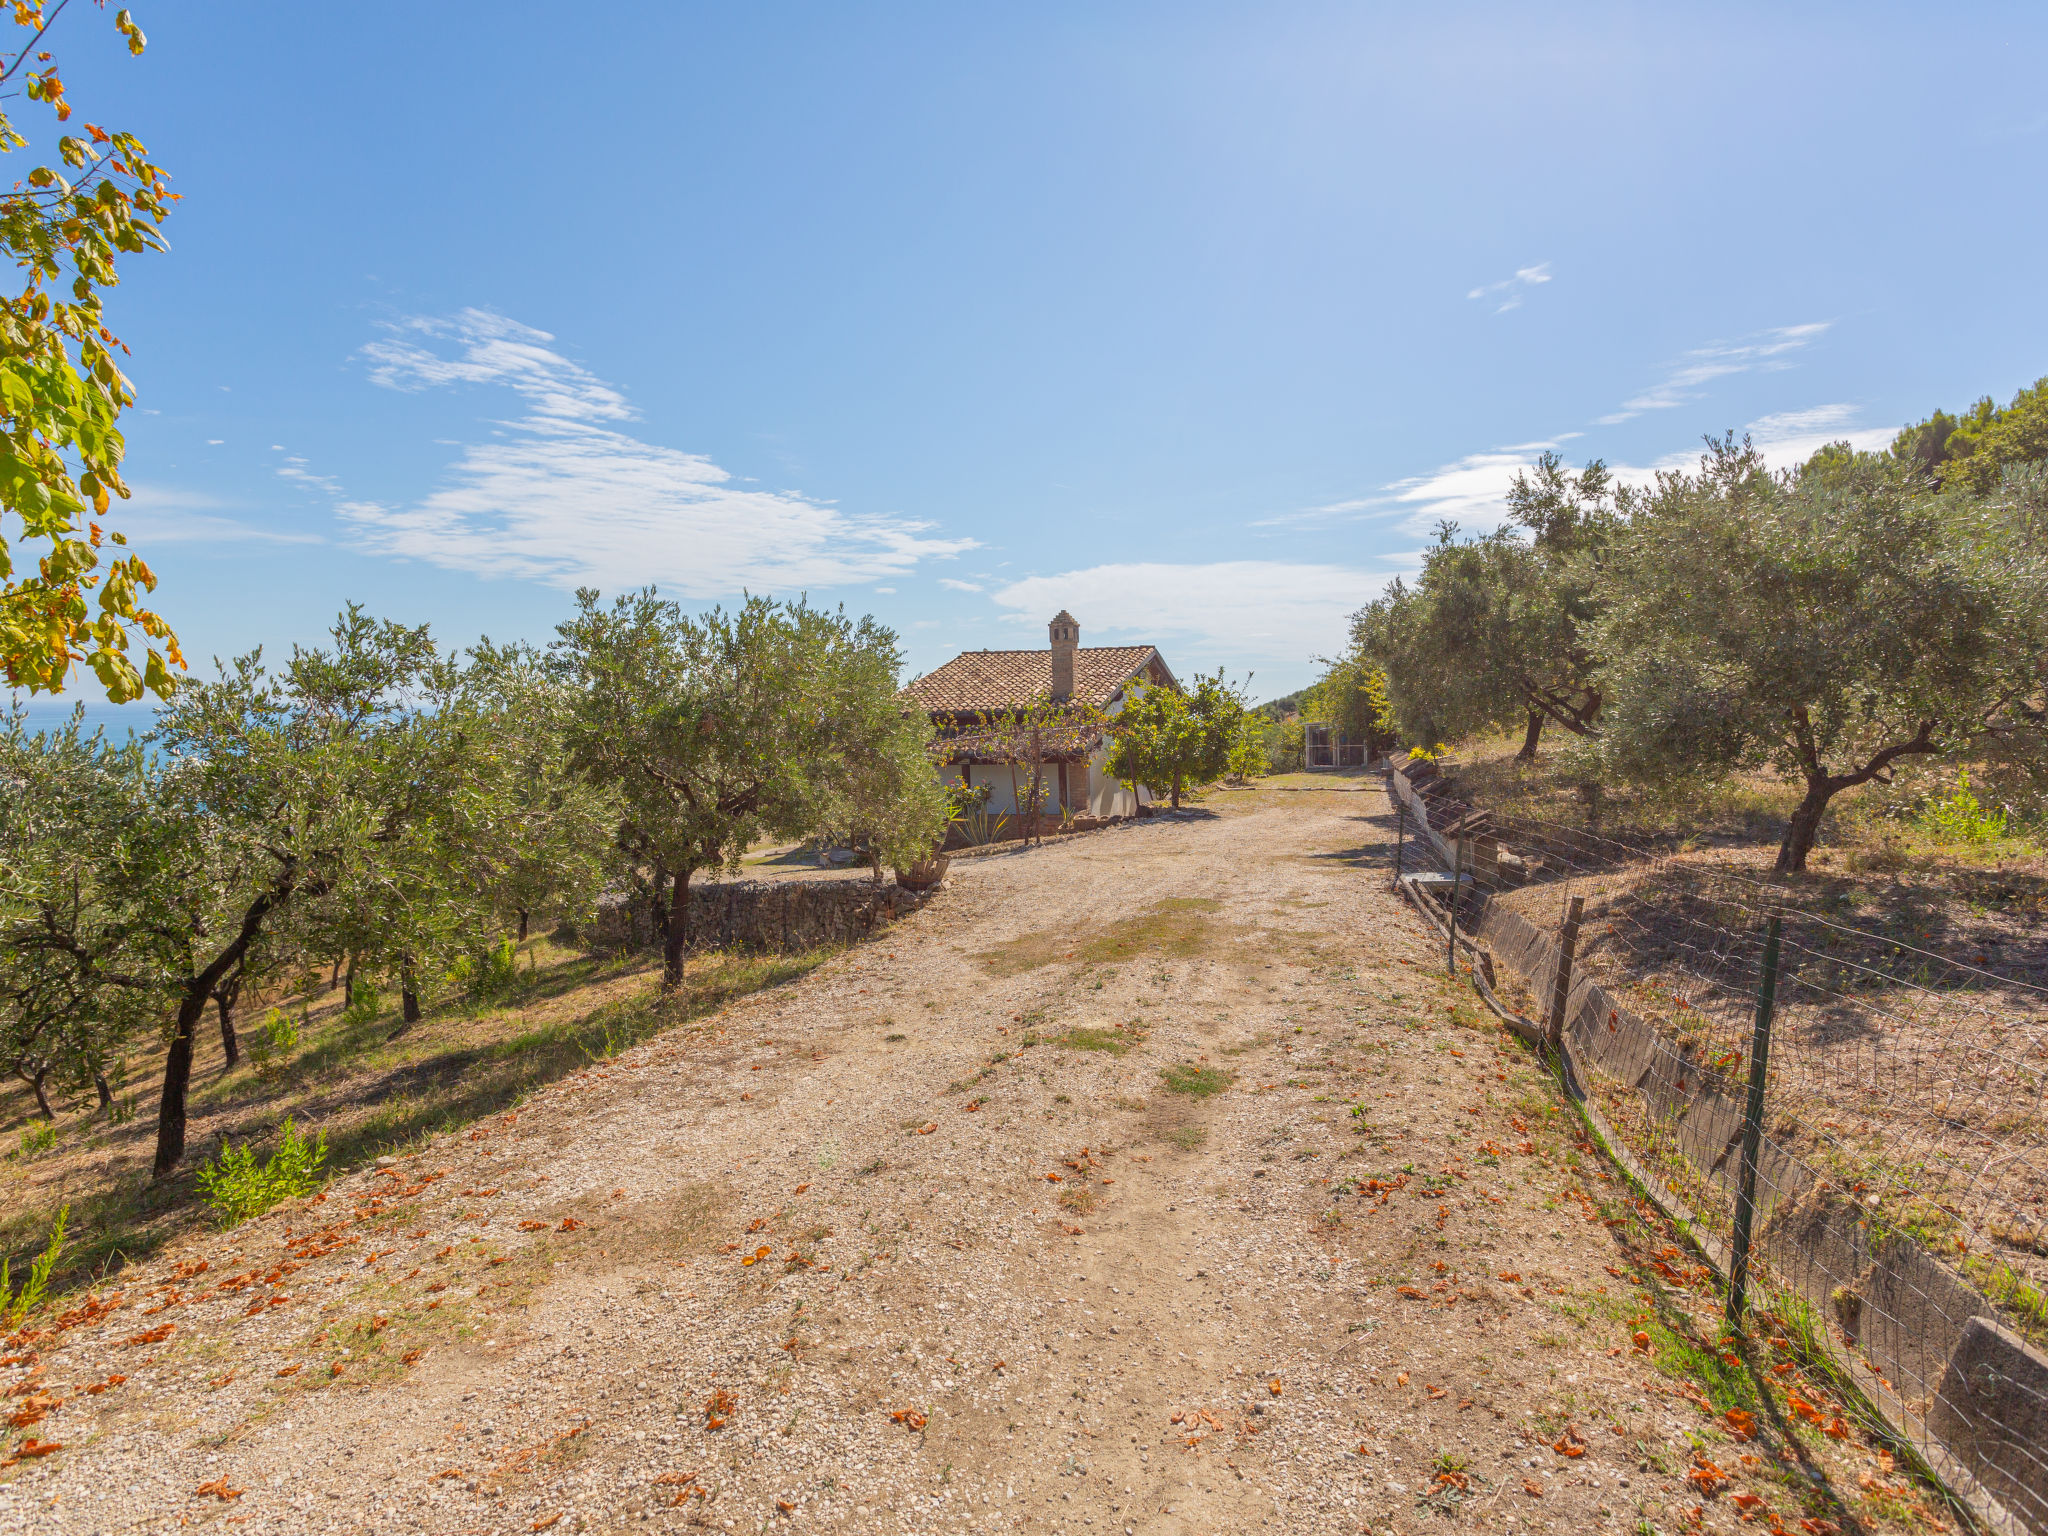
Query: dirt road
x=933, y=1240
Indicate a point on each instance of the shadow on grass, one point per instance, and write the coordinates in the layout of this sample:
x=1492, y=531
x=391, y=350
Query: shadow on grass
x=368, y=1109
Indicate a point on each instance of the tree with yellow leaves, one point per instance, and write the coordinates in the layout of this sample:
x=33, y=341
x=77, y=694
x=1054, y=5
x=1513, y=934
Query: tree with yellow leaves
x=62, y=393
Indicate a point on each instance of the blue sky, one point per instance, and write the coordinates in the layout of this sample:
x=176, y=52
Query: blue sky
x=1190, y=318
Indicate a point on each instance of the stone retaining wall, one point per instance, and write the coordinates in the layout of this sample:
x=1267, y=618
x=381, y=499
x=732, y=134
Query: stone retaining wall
x=773, y=916
x=1971, y=1386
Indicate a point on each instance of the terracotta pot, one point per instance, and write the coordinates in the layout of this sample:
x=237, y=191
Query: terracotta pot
x=922, y=877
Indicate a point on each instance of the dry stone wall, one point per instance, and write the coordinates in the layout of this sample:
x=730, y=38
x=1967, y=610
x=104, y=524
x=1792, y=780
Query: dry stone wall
x=771, y=916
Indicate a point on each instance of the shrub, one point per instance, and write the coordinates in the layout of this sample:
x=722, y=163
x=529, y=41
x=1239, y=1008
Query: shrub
x=363, y=1004
x=15, y=1307
x=38, y=1138
x=1961, y=817
x=495, y=972
x=236, y=1188
x=279, y=1035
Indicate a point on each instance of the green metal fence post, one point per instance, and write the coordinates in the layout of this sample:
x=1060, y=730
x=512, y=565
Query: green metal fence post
x=1753, y=1125
x=1451, y=910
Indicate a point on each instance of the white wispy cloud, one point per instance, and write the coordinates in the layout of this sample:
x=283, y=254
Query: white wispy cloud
x=157, y=514
x=1512, y=290
x=959, y=586
x=1764, y=352
x=567, y=497
x=1471, y=492
x=1233, y=613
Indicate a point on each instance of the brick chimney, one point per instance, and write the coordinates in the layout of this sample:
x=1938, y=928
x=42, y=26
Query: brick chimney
x=1066, y=639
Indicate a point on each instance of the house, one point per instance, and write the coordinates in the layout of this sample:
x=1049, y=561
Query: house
x=975, y=685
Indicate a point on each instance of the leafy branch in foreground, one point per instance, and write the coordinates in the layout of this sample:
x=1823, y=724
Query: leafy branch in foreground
x=62, y=393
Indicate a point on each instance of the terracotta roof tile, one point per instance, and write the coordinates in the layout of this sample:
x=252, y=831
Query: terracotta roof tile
x=987, y=680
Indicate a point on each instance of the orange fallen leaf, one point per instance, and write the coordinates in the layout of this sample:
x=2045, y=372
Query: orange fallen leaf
x=219, y=1489
x=1510, y=1277
x=1410, y=1292
x=785, y=1506
x=1641, y=1343
x=1532, y=1488
x=335, y=1369
x=1273, y=1387
x=1745, y=1501
x=800, y=1189
x=547, y=1522
x=1402, y=1379
x=757, y=1255
x=293, y=1369
x=1705, y=1476
x=1742, y=1421
x=410, y=1356
x=569, y=1224
x=909, y=1418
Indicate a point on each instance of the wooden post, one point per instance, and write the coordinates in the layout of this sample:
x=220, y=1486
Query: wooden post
x=1561, y=980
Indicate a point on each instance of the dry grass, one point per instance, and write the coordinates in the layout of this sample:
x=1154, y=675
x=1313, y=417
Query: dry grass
x=1179, y=928
x=370, y=1087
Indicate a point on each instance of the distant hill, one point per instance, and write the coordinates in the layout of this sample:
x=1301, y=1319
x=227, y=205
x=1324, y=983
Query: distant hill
x=1281, y=708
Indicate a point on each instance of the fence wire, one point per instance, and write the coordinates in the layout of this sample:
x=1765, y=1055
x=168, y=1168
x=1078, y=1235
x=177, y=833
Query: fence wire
x=1902, y=1191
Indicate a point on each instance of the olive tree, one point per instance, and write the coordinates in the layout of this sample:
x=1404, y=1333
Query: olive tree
x=1493, y=632
x=1827, y=624
x=71, y=806
x=715, y=730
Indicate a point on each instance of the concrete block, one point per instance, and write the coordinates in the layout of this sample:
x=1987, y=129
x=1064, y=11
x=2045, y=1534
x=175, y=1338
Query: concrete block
x=1991, y=1413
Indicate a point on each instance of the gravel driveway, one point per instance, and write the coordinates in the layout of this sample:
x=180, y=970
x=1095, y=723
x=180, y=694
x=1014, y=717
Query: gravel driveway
x=928, y=1241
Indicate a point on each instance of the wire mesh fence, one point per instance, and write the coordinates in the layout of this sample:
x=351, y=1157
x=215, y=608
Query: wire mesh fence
x=1901, y=1134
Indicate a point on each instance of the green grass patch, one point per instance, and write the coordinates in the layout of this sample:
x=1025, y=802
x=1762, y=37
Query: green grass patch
x=1196, y=1082
x=1088, y=1037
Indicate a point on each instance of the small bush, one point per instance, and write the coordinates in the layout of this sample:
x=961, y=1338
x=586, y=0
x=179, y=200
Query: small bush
x=1196, y=1082
x=38, y=1138
x=281, y=1030
x=16, y=1307
x=122, y=1110
x=363, y=1004
x=494, y=972
x=236, y=1188
x=278, y=1035
x=1962, y=817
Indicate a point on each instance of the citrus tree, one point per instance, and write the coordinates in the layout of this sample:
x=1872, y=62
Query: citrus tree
x=1168, y=740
